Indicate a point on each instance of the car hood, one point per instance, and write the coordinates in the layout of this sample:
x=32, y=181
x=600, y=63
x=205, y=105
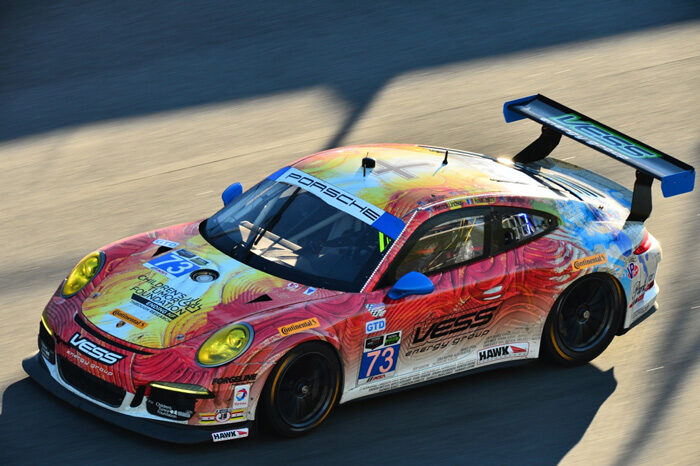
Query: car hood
x=151, y=297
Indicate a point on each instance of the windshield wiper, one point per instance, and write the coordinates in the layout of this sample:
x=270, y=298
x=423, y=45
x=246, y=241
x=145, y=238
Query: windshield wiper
x=270, y=223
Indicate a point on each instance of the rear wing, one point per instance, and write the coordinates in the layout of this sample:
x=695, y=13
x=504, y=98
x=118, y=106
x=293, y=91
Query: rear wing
x=676, y=177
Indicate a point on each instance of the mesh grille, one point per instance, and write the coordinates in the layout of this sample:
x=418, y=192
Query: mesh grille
x=90, y=385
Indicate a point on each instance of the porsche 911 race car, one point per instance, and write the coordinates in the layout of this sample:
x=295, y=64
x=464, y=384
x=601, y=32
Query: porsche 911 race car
x=358, y=271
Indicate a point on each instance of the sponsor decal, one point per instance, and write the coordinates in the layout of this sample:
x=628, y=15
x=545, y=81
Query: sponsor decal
x=455, y=204
x=362, y=210
x=199, y=261
x=632, y=270
x=166, y=243
x=341, y=200
x=310, y=290
x=497, y=353
x=378, y=358
x=128, y=318
x=640, y=289
x=162, y=300
x=293, y=286
x=589, y=261
x=94, y=351
x=222, y=416
x=392, y=338
x=376, y=310
x=165, y=410
x=298, y=326
x=573, y=125
x=229, y=434
x=374, y=342
x=375, y=326
x=384, y=241
x=240, y=396
x=81, y=360
x=439, y=333
x=235, y=379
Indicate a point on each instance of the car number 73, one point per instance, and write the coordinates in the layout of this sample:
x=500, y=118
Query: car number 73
x=172, y=264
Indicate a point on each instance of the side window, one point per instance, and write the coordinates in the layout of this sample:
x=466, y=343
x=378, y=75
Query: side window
x=444, y=245
x=518, y=227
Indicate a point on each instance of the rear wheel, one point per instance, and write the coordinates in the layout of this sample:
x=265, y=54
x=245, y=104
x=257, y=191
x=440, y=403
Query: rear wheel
x=583, y=321
x=302, y=389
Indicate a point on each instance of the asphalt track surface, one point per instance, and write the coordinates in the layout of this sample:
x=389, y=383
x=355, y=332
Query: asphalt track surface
x=116, y=118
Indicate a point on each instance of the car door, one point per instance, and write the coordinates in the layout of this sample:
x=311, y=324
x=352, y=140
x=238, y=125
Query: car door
x=439, y=329
x=532, y=262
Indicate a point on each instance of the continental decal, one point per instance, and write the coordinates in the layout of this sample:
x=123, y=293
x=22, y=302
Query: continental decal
x=298, y=326
x=589, y=261
x=129, y=319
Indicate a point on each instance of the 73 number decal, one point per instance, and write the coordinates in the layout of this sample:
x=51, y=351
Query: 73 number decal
x=380, y=356
x=171, y=264
x=387, y=362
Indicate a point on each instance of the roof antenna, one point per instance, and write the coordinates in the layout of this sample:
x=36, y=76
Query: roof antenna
x=444, y=162
x=367, y=162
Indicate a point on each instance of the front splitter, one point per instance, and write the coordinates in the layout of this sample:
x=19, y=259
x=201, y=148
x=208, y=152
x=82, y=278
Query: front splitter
x=168, y=432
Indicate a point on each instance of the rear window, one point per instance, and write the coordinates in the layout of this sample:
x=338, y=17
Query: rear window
x=521, y=226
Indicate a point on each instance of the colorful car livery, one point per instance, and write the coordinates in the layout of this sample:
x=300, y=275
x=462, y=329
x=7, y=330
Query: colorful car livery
x=358, y=271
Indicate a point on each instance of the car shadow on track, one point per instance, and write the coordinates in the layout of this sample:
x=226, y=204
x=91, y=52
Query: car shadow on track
x=533, y=414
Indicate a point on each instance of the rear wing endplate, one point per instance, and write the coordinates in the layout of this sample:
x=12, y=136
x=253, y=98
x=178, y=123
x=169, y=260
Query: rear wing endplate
x=676, y=177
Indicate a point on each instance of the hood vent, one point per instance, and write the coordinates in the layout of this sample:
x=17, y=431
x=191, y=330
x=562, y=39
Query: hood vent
x=260, y=299
x=161, y=250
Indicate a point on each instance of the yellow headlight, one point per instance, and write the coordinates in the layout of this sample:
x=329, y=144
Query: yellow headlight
x=83, y=273
x=45, y=323
x=225, y=345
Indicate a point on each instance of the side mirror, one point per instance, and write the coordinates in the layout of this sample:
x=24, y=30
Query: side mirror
x=411, y=283
x=231, y=193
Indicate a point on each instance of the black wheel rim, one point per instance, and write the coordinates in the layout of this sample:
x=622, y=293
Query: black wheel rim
x=586, y=314
x=305, y=390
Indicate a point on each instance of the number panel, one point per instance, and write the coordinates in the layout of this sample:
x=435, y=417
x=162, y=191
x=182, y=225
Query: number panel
x=171, y=264
x=379, y=358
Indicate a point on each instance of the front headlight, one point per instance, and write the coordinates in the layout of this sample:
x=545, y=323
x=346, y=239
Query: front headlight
x=225, y=345
x=83, y=273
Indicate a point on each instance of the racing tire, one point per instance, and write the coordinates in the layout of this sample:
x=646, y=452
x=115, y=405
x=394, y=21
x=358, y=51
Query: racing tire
x=583, y=321
x=302, y=389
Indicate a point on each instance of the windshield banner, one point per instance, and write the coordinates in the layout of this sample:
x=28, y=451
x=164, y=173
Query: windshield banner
x=342, y=200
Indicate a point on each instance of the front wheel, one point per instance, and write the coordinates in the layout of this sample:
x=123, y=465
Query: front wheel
x=302, y=389
x=583, y=321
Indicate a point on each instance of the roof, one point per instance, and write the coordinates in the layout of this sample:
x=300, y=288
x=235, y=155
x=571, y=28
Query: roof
x=409, y=176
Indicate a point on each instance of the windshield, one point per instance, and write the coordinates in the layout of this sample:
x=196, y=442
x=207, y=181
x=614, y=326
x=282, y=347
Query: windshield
x=288, y=232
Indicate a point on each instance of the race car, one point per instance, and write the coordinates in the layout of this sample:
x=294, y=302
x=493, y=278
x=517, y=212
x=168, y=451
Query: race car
x=358, y=271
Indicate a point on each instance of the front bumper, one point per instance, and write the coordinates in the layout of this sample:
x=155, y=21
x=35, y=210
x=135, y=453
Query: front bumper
x=37, y=369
